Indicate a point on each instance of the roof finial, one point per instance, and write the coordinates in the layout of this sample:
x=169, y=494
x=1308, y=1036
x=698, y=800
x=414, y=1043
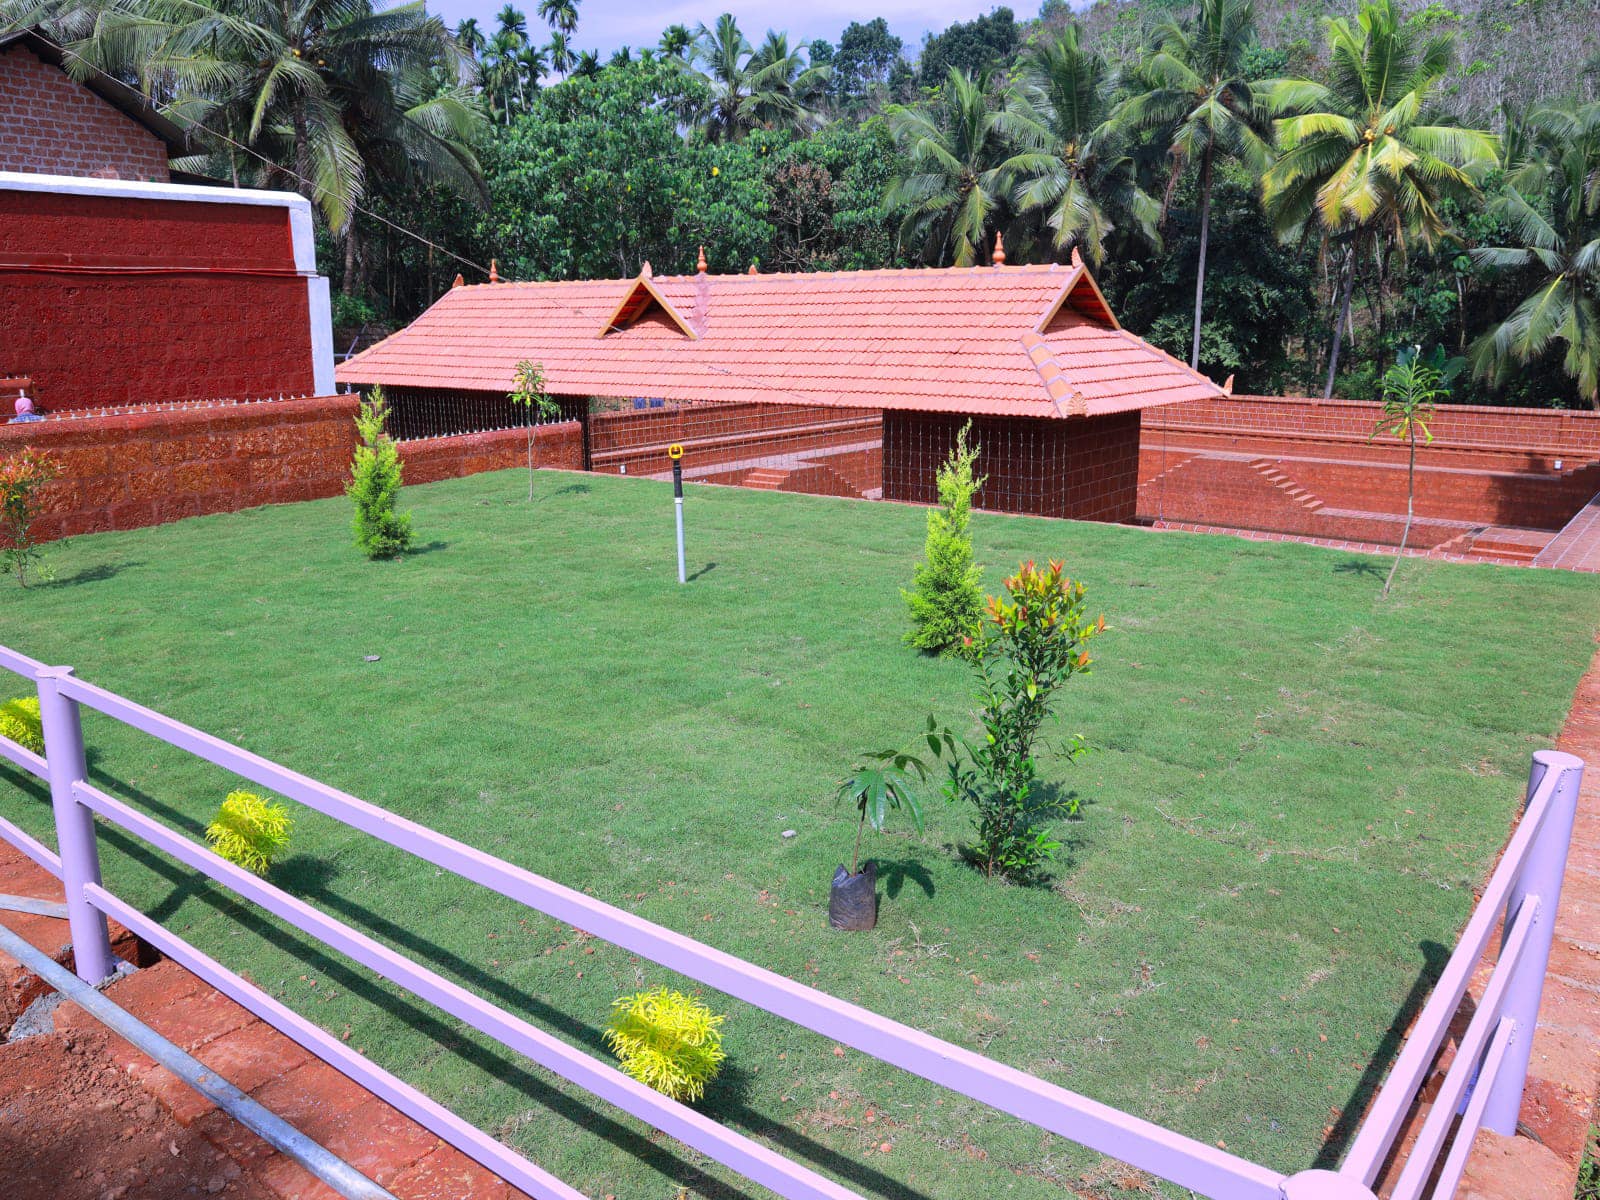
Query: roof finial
x=1077, y=259
x=644, y=270
x=460, y=282
x=700, y=263
x=753, y=270
x=494, y=270
x=1228, y=387
x=999, y=249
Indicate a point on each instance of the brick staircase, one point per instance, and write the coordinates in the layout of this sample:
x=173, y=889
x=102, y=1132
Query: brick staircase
x=1269, y=471
x=766, y=479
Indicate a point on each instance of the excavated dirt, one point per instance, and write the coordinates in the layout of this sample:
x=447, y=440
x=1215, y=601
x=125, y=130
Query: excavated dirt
x=74, y=1127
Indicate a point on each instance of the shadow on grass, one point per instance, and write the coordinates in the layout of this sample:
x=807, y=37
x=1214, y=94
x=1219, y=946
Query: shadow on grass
x=1359, y=566
x=895, y=871
x=1434, y=958
x=705, y=570
x=95, y=574
x=1049, y=809
x=426, y=548
x=313, y=879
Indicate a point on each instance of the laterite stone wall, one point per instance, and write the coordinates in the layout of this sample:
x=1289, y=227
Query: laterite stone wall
x=108, y=301
x=128, y=470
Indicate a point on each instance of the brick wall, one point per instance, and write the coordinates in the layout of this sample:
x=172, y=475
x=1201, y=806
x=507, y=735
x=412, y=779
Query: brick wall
x=721, y=433
x=136, y=469
x=1311, y=467
x=1087, y=469
x=428, y=459
x=1528, y=429
x=51, y=125
x=111, y=300
x=128, y=470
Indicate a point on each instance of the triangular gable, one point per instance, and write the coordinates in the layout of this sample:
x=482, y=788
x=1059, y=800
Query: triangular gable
x=1079, y=296
x=641, y=298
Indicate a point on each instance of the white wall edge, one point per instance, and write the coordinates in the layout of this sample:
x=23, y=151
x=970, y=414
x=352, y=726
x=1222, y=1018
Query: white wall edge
x=321, y=310
x=126, y=189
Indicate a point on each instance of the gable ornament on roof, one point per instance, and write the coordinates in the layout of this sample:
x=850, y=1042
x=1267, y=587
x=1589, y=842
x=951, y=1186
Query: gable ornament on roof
x=700, y=263
x=999, y=258
x=494, y=271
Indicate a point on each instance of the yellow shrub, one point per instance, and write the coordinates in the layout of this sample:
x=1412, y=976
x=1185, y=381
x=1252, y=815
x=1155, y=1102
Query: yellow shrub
x=250, y=832
x=667, y=1040
x=19, y=721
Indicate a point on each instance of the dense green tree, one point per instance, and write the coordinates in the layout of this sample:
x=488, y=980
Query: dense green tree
x=1071, y=166
x=984, y=44
x=867, y=53
x=1362, y=162
x=1551, y=205
x=1194, y=91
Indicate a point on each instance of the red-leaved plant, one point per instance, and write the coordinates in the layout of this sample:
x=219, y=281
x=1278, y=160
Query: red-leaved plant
x=1033, y=640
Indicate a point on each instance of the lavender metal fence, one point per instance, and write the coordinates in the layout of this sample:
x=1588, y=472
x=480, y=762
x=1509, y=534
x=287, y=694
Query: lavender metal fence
x=1484, y=1085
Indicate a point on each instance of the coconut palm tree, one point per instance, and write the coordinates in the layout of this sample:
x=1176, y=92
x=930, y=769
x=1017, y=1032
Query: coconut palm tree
x=559, y=52
x=560, y=15
x=469, y=36
x=676, y=42
x=1072, y=167
x=1360, y=161
x=1551, y=204
x=753, y=89
x=587, y=64
x=291, y=83
x=956, y=149
x=1194, y=89
x=785, y=92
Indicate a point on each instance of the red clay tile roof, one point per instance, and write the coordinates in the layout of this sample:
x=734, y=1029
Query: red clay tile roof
x=997, y=341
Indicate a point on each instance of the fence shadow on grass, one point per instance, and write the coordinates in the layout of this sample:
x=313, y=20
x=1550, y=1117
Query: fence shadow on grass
x=1434, y=958
x=313, y=879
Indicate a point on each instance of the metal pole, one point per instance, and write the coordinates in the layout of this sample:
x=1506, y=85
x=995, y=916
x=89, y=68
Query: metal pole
x=677, y=504
x=75, y=839
x=1540, y=877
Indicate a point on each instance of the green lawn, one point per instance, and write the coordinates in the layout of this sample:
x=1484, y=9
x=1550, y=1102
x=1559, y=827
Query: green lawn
x=1293, y=791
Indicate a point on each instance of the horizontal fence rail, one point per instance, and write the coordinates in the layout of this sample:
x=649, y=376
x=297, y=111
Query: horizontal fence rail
x=1490, y=1064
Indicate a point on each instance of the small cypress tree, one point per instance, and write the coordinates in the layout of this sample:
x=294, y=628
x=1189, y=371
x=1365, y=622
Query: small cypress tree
x=381, y=532
x=946, y=596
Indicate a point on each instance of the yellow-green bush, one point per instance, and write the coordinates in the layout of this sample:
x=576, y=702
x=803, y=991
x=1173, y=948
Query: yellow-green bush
x=250, y=832
x=667, y=1040
x=19, y=721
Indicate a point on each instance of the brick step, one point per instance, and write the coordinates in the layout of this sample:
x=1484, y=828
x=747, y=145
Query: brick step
x=1269, y=471
x=768, y=479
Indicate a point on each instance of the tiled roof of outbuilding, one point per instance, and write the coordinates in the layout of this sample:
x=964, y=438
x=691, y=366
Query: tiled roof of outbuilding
x=998, y=341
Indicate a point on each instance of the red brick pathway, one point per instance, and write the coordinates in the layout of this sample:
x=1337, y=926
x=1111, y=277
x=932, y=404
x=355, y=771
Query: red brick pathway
x=323, y=1104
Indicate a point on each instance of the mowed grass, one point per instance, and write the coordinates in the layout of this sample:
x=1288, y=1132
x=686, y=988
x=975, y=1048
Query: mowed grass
x=1293, y=790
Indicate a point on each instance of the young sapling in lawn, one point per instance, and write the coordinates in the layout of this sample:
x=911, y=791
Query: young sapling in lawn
x=529, y=393
x=374, y=486
x=945, y=602
x=887, y=780
x=23, y=478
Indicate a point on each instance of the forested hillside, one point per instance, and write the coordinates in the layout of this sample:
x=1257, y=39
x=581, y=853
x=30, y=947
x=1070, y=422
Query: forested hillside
x=1516, y=52
x=1292, y=194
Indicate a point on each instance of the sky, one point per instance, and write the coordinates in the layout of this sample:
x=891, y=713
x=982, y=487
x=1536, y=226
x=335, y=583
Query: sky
x=604, y=25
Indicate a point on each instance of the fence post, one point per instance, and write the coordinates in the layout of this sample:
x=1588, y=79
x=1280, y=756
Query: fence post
x=1540, y=876
x=1325, y=1185
x=75, y=837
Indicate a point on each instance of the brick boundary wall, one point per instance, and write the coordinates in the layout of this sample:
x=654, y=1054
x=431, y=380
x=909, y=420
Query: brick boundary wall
x=52, y=125
x=430, y=459
x=1311, y=468
x=128, y=470
x=1518, y=429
